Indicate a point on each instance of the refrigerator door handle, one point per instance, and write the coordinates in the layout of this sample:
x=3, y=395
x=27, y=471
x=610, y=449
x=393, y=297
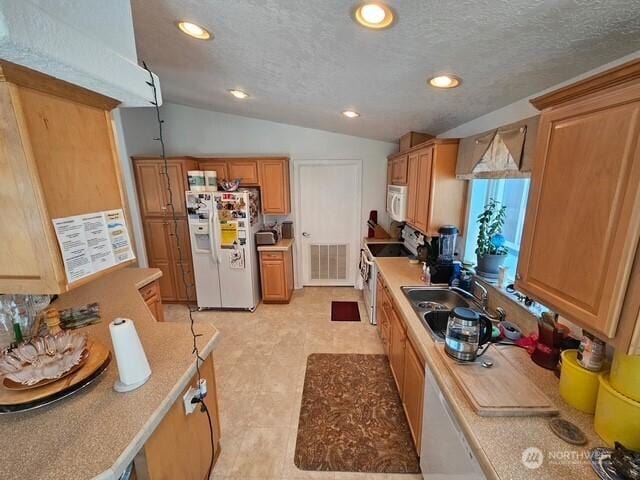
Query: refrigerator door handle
x=212, y=237
x=215, y=237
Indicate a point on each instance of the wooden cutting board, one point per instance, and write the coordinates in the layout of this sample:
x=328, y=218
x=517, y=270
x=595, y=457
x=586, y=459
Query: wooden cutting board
x=499, y=391
x=98, y=355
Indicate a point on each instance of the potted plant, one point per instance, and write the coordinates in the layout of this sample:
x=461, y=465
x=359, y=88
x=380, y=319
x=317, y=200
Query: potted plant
x=490, y=248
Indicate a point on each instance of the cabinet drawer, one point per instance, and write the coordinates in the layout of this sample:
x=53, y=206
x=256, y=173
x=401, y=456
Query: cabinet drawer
x=149, y=291
x=272, y=255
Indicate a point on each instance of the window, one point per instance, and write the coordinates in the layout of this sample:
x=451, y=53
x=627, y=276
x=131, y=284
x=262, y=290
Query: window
x=513, y=193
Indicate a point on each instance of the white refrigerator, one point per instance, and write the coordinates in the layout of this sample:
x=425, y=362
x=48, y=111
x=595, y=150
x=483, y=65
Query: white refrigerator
x=222, y=228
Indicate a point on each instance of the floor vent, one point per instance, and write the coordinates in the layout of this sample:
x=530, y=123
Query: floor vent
x=328, y=262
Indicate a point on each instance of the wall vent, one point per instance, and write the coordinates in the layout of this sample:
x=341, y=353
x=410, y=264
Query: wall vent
x=328, y=262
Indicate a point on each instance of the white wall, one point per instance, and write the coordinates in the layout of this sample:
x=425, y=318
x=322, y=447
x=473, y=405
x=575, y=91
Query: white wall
x=193, y=131
x=522, y=108
x=90, y=43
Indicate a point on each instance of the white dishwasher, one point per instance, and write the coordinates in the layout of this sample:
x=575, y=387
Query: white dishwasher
x=445, y=453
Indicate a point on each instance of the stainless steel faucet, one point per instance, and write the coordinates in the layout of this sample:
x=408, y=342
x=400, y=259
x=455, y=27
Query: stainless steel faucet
x=484, y=301
x=484, y=296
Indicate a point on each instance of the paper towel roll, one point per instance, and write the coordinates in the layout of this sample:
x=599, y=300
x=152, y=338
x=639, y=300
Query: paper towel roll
x=133, y=367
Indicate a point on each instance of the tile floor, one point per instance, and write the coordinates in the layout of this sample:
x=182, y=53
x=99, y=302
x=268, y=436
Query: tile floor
x=260, y=365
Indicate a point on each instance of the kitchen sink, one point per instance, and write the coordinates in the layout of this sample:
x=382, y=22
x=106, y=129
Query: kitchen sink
x=433, y=304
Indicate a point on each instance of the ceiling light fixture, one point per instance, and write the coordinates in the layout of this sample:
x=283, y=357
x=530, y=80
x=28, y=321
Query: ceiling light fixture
x=239, y=94
x=375, y=15
x=195, y=31
x=350, y=114
x=445, y=81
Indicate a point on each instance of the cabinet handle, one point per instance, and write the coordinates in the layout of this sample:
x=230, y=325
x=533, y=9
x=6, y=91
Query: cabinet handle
x=518, y=277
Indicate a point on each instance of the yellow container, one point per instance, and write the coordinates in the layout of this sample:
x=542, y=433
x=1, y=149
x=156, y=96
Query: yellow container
x=625, y=375
x=578, y=386
x=617, y=417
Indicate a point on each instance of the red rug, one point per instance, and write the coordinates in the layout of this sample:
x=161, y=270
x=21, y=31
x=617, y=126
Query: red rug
x=345, y=312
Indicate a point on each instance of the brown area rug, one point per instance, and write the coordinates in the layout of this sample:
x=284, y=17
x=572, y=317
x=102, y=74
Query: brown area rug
x=345, y=312
x=351, y=418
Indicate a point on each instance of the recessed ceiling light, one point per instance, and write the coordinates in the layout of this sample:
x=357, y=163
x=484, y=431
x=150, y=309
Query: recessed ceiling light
x=445, y=81
x=239, y=94
x=350, y=114
x=374, y=15
x=195, y=31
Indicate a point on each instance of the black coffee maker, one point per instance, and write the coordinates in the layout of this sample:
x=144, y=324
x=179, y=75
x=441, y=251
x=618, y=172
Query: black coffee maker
x=443, y=268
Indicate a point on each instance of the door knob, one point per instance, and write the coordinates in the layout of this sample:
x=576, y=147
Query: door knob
x=306, y=234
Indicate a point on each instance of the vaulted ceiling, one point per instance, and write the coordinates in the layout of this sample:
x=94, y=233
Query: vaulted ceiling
x=303, y=62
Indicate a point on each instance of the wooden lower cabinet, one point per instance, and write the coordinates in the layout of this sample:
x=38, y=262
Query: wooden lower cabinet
x=396, y=348
x=413, y=392
x=153, y=298
x=180, y=446
x=276, y=275
x=162, y=253
x=407, y=366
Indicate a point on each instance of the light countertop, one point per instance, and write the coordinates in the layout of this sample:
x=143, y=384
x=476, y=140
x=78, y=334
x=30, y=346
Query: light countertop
x=97, y=432
x=498, y=442
x=282, y=245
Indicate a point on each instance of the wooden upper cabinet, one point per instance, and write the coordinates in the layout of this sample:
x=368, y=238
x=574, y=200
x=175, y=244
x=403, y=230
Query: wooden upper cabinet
x=271, y=174
x=215, y=165
x=57, y=159
x=582, y=224
x=413, y=164
x=152, y=202
x=246, y=170
x=274, y=177
x=154, y=197
x=422, y=195
x=435, y=197
x=399, y=170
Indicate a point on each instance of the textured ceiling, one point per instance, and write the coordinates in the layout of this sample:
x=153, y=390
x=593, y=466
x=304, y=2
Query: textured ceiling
x=304, y=61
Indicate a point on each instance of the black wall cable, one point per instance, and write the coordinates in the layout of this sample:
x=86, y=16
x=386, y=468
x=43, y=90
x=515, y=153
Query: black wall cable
x=183, y=273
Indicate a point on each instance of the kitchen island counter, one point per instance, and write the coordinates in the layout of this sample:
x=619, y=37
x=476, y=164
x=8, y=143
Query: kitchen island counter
x=498, y=443
x=97, y=432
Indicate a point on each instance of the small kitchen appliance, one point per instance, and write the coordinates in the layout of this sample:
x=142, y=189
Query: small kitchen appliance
x=467, y=331
x=397, y=202
x=444, y=268
x=267, y=237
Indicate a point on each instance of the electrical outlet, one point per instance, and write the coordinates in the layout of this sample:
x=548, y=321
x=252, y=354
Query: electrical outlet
x=189, y=407
x=193, y=392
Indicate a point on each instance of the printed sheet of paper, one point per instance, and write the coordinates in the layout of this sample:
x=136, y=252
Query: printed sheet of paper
x=73, y=246
x=119, y=235
x=92, y=242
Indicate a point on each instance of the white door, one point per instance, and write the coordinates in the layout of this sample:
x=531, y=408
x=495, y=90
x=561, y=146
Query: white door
x=329, y=203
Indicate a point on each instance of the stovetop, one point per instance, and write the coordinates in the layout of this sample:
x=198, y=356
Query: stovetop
x=388, y=250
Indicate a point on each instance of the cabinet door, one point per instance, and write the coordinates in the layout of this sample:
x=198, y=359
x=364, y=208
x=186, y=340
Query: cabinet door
x=245, y=170
x=218, y=166
x=582, y=224
x=412, y=182
x=150, y=189
x=396, y=349
x=274, y=182
x=182, y=227
x=159, y=254
x=413, y=392
x=188, y=293
x=272, y=273
x=423, y=190
x=399, y=171
x=177, y=176
x=389, y=172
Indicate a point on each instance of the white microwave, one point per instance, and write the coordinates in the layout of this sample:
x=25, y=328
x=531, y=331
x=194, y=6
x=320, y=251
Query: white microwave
x=397, y=202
